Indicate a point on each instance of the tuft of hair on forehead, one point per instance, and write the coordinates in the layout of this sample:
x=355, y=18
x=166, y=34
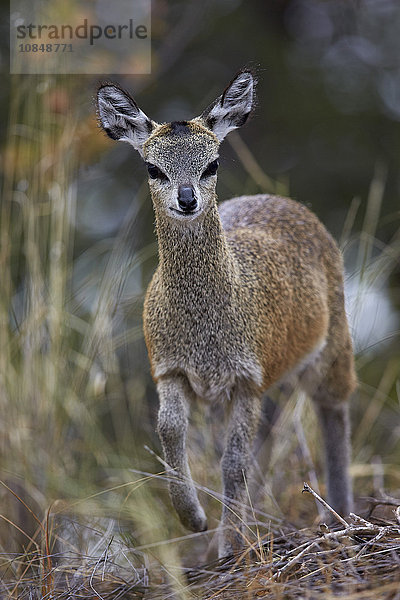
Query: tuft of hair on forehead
x=179, y=127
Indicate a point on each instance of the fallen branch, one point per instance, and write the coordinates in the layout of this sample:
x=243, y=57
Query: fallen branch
x=309, y=490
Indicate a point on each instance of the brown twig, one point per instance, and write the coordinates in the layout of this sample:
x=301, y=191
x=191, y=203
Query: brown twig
x=309, y=490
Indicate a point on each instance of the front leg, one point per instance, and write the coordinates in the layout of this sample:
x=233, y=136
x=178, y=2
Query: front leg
x=236, y=460
x=172, y=428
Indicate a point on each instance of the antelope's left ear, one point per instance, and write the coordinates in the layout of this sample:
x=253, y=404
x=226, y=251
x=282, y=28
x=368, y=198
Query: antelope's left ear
x=121, y=118
x=231, y=109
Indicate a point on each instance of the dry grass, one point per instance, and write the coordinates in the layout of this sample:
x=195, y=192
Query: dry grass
x=355, y=559
x=350, y=562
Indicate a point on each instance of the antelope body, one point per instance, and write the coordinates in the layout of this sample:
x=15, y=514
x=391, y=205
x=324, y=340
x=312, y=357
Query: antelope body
x=246, y=295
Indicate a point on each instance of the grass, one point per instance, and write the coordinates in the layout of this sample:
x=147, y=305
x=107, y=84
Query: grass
x=92, y=557
x=85, y=512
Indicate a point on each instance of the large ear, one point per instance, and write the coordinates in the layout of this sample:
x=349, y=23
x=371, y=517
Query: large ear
x=121, y=118
x=231, y=109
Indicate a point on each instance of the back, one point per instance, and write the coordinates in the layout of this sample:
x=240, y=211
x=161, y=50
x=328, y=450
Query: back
x=280, y=219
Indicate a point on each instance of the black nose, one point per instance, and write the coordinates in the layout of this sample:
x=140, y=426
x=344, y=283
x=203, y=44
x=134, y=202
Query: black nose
x=186, y=200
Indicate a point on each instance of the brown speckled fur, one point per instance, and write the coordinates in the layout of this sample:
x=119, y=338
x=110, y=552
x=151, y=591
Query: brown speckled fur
x=245, y=296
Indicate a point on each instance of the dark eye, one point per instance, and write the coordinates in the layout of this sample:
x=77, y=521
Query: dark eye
x=155, y=172
x=211, y=169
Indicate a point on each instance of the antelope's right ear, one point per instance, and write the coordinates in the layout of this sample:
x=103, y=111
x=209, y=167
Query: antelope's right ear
x=121, y=118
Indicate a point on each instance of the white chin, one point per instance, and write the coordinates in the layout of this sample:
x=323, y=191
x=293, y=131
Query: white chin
x=184, y=216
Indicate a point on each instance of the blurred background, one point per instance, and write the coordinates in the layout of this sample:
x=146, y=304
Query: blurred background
x=77, y=434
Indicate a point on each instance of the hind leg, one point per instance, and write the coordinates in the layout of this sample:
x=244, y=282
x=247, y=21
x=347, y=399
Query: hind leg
x=335, y=427
x=331, y=399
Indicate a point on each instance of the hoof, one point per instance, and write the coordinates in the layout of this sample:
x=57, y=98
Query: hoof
x=196, y=521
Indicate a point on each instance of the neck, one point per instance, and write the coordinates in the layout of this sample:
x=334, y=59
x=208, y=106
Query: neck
x=195, y=256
